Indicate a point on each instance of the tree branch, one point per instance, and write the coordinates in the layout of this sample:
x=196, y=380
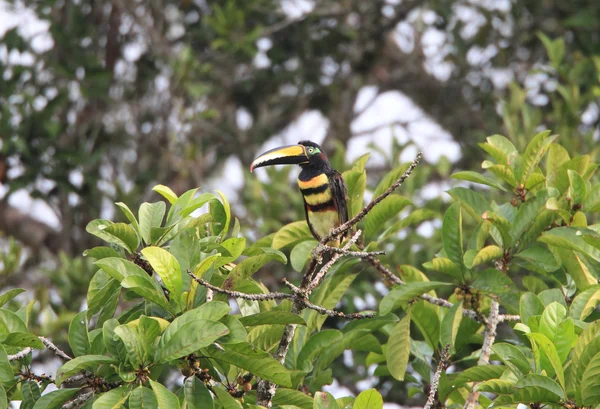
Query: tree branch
x=486, y=349
x=436, y=378
x=19, y=355
x=54, y=348
x=238, y=294
x=361, y=215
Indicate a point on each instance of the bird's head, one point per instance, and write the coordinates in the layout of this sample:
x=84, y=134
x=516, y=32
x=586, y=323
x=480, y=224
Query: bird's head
x=305, y=154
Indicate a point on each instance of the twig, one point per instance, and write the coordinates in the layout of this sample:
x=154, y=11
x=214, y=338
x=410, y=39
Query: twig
x=357, y=254
x=436, y=377
x=346, y=226
x=237, y=294
x=486, y=349
x=20, y=355
x=316, y=280
x=337, y=314
x=78, y=401
x=54, y=348
x=387, y=273
x=507, y=317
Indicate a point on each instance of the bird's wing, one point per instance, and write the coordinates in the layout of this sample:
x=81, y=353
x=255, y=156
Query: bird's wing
x=339, y=192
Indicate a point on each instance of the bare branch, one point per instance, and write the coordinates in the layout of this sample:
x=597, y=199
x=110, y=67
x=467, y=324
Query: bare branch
x=55, y=349
x=393, y=278
x=486, y=349
x=337, y=314
x=321, y=274
x=237, y=294
x=20, y=355
x=357, y=254
x=436, y=377
x=507, y=317
x=346, y=226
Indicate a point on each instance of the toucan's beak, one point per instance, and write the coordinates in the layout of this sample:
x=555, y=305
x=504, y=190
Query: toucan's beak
x=284, y=155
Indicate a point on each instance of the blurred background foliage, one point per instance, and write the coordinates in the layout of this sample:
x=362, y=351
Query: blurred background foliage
x=99, y=101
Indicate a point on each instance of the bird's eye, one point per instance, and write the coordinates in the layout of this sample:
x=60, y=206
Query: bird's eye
x=310, y=150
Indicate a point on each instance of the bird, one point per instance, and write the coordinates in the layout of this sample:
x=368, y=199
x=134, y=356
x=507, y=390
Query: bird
x=323, y=189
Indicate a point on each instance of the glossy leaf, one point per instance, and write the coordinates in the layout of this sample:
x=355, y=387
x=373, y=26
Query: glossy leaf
x=398, y=350
x=387, y=209
x=452, y=233
x=260, y=363
x=150, y=216
x=585, y=303
x=324, y=400
x=55, y=399
x=187, y=338
x=477, y=178
x=197, y=396
x=165, y=398
x=78, y=335
x=369, y=399
x=167, y=268
x=165, y=192
x=290, y=234
x=9, y=295
x=272, y=318
x=87, y=362
x=450, y=325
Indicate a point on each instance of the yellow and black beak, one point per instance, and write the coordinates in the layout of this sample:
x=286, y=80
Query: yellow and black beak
x=284, y=155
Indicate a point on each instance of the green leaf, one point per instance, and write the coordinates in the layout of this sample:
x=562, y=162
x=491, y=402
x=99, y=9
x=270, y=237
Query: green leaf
x=100, y=252
x=252, y=264
x=123, y=233
x=450, y=325
x=543, y=382
x=142, y=398
x=324, y=400
x=197, y=396
x=79, y=339
x=402, y=294
x=390, y=178
x=9, y=295
x=555, y=49
x=542, y=343
x=500, y=148
x=256, y=361
x=571, y=238
x=529, y=306
x=452, y=233
x=292, y=397
x=473, y=258
x=560, y=331
x=398, y=350
x=444, y=265
x=227, y=211
x=188, y=338
x=539, y=257
x=585, y=303
x=4, y=399
x=535, y=151
x=492, y=281
x=504, y=172
x=512, y=357
x=55, y=399
x=166, y=399
x=30, y=392
x=272, y=318
x=529, y=211
x=23, y=339
x=387, y=209
x=426, y=318
x=578, y=188
x=291, y=234
x=151, y=216
x=225, y=400
x=130, y=216
x=87, y=362
x=497, y=386
x=301, y=254
x=99, y=228
x=165, y=192
x=557, y=156
x=477, y=178
x=167, y=268
x=315, y=346
x=113, y=344
x=369, y=399
x=479, y=373
x=146, y=288
x=6, y=372
x=590, y=388
x=356, y=182
x=113, y=399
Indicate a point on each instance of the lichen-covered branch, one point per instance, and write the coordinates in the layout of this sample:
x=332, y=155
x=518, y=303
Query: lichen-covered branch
x=486, y=349
x=436, y=377
x=19, y=355
x=54, y=348
x=238, y=294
